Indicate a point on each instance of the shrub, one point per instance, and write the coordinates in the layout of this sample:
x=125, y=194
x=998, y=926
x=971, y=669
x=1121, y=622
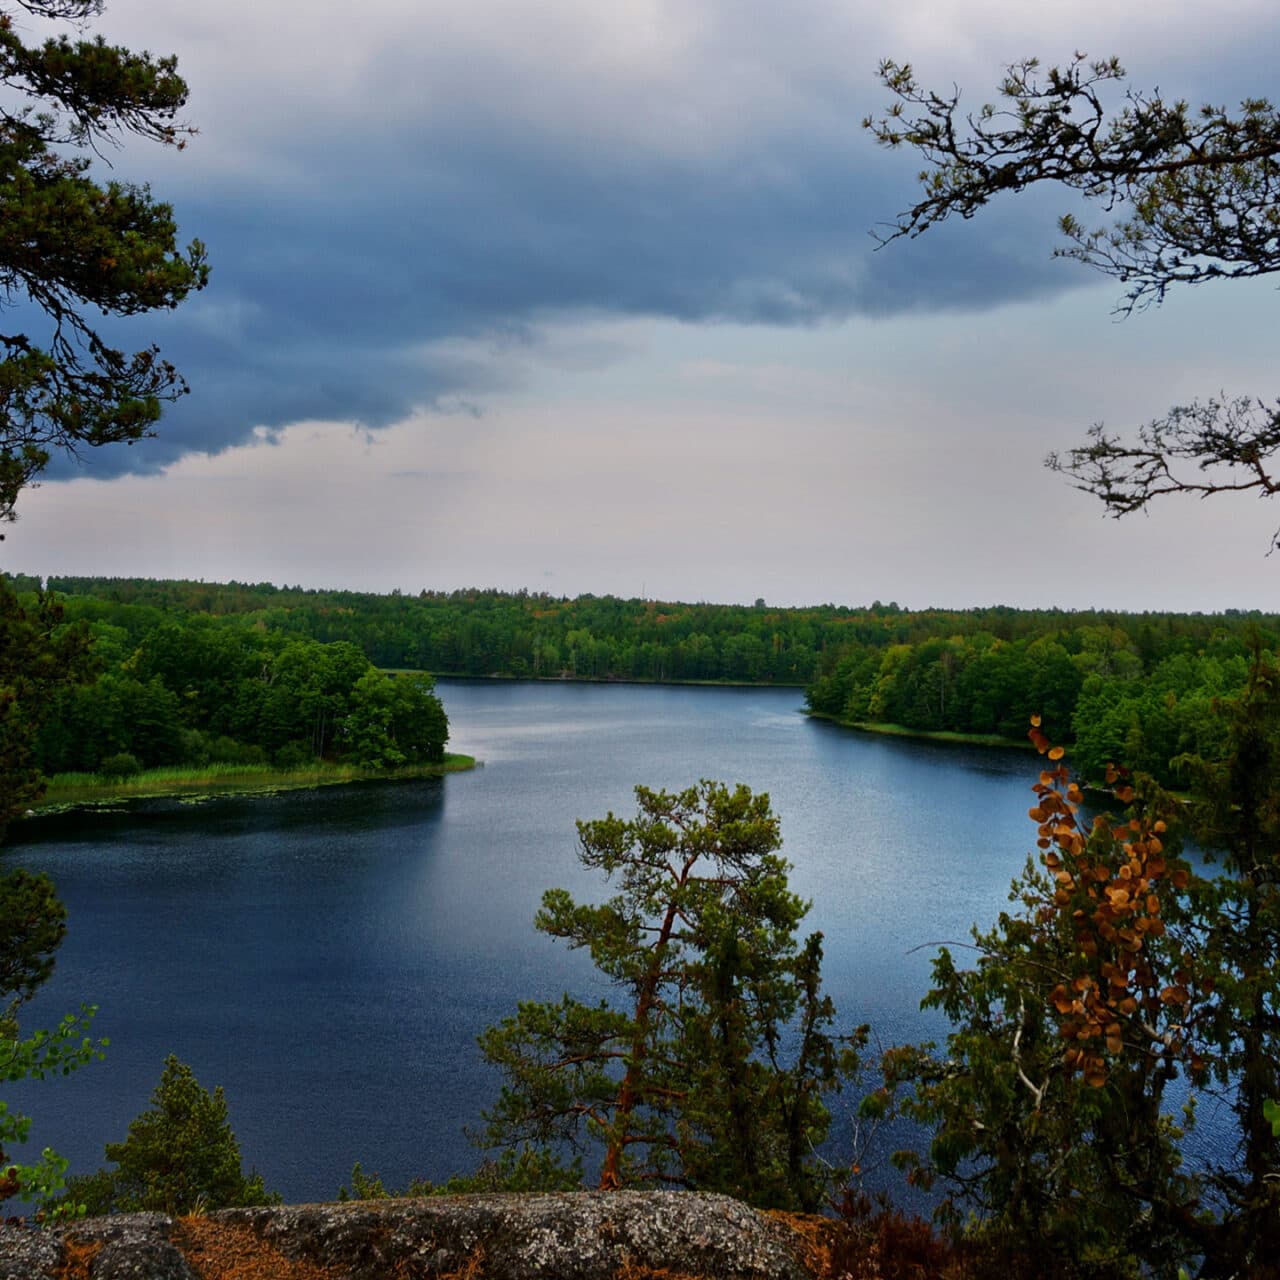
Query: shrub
x=293, y=755
x=121, y=765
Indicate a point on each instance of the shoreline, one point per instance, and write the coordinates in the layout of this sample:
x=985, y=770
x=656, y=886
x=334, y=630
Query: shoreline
x=88, y=791
x=946, y=736
x=568, y=679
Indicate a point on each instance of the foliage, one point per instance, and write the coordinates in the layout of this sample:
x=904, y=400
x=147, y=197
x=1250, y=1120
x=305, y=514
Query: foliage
x=1119, y=973
x=1048, y=1105
x=197, y=671
x=526, y=1169
x=522, y=634
x=687, y=1080
x=394, y=721
x=190, y=692
x=1199, y=193
x=37, y=1057
x=75, y=249
x=39, y=657
x=32, y=926
x=121, y=765
x=1201, y=185
x=179, y=1157
x=1237, y=918
x=1141, y=688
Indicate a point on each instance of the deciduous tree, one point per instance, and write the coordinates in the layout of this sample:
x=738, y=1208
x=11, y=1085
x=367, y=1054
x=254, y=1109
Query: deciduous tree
x=1048, y=1106
x=31, y=930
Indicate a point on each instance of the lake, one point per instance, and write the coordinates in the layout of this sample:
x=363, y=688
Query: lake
x=329, y=956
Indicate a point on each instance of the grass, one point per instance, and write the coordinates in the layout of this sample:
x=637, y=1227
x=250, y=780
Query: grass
x=67, y=789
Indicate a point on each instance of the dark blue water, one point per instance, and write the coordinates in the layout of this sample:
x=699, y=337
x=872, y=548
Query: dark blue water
x=329, y=956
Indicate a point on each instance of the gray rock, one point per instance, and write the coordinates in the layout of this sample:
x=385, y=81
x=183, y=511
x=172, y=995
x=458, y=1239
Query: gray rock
x=560, y=1236
x=28, y=1254
x=581, y=1236
x=133, y=1246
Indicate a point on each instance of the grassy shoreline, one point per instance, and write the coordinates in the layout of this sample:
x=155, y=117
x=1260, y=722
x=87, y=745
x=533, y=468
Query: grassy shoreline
x=928, y=735
x=67, y=790
x=498, y=676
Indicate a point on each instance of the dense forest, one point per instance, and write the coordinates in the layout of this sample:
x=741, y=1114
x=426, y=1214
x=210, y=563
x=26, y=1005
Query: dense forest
x=1142, y=689
x=1139, y=688
x=159, y=689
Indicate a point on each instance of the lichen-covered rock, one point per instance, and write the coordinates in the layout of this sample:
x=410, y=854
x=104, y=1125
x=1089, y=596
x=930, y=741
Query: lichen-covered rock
x=27, y=1254
x=621, y=1235
x=135, y=1246
x=561, y=1236
x=144, y=1256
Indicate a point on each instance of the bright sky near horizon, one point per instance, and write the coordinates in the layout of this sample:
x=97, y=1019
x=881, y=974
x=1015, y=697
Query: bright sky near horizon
x=581, y=298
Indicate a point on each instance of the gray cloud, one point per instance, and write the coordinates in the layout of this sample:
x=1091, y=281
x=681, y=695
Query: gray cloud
x=465, y=178
x=330, y=309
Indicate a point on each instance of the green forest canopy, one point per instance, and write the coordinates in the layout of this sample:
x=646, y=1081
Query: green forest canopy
x=1134, y=687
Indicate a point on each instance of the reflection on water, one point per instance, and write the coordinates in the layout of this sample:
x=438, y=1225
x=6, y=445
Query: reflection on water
x=329, y=956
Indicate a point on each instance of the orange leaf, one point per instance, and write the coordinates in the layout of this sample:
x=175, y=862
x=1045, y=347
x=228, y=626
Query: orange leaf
x=1057, y=753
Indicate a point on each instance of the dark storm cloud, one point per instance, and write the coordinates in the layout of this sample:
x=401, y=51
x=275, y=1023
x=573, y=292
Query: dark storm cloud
x=325, y=301
x=464, y=172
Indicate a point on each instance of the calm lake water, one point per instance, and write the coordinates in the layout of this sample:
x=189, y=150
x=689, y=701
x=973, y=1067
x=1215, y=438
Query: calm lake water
x=329, y=956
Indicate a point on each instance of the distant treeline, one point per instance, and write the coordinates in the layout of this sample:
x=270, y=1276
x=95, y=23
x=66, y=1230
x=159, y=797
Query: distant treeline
x=1134, y=688
x=487, y=633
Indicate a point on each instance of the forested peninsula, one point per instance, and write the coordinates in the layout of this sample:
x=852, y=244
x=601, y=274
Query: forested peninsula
x=189, y=672
x=131, y=700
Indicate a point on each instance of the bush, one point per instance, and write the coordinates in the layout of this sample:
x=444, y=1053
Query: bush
x=226, y=750
x=293, y=755
x=121, y=765
x=195, y=747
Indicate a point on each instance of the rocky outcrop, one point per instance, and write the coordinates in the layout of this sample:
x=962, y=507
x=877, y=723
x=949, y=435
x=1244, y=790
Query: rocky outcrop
x=136, y=1246
x=623, y=1235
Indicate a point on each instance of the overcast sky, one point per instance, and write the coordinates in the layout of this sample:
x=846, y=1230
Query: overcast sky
x=581, y=297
